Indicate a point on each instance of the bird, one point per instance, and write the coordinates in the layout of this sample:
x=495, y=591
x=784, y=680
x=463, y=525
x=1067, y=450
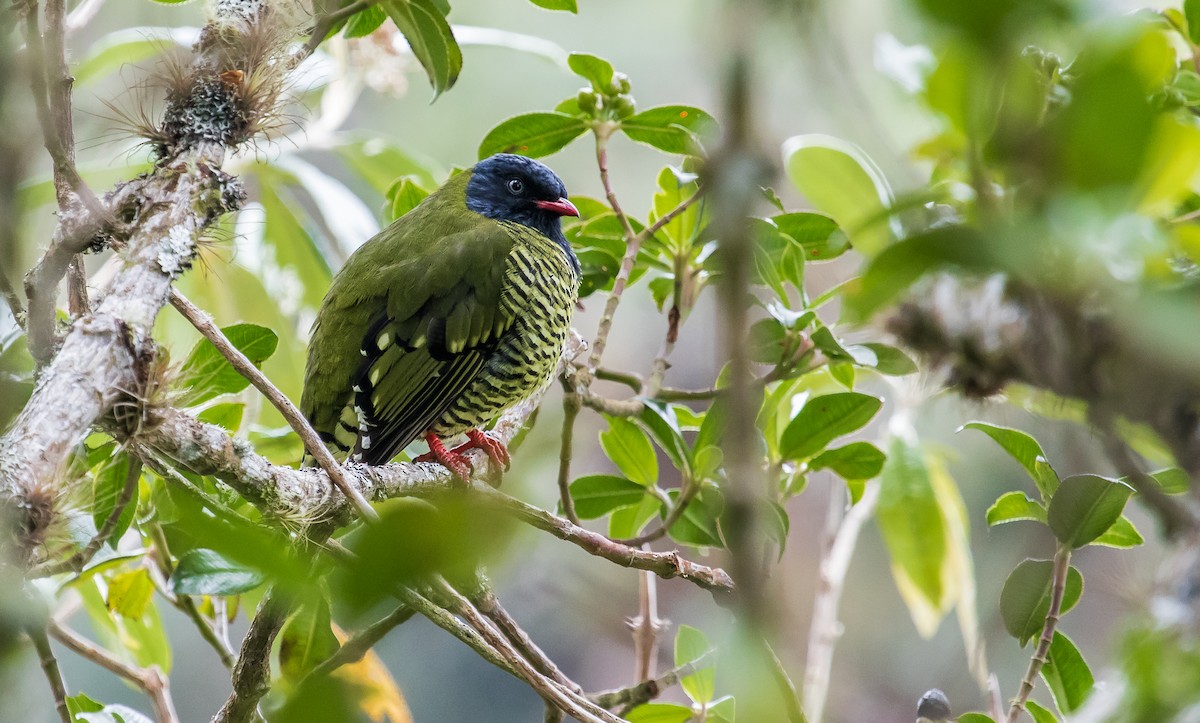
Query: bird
x=455, y=312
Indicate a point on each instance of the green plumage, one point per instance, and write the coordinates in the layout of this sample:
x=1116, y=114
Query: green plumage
x=437, y=324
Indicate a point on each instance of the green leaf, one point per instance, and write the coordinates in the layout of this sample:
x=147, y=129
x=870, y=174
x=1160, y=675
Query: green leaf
x=662, y=423
x=975, y=718
x=208, y=572
x=82, y=704
x=532, y=134
x=228, y=415
x=568, y=5
x=670, y=128
x=1191, y=11
x=1067, y=675
x=1039, y=714
x=108, y=482
x=206, y=373
x=629, y=521
x=129, y=593
x=674, y=187
x=698, y=523
x=660, y=713
x=900, y=265
x=817, y=233
x=910, y=521
x=1026, y=450
x=140, y=641
x=1025, y=598
x=306, y=640
x=597, y=495
x=427, y=32
x=594, y=69
x=1014, y=506
x=1084, y=506
x=1122, y=534
x=888, y=359
x=403, y=196
x=840, y=180
x=722, y=710
x=691, y=644
x=857, y=460
x=1173, y=480
x=365, y=22
x=824, y=419
x=627, y=445
x=126, y=47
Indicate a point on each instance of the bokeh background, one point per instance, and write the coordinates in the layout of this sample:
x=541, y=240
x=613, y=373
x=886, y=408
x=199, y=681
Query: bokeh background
x=838, y=67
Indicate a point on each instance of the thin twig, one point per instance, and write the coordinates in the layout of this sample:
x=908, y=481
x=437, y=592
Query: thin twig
x=1062, y=565
x=184, y=603
x=252, y=673
x=150, y=680
x=629, y=379
x=842, y=537
x=312, y=443
x=568, y=701
x=490, y=606
x=13, y=300
x=356, y=647
x=1177, y=518
x=633, y=244
x=76, y=562
x=648, y=690
x=680, y=506
x=646, y=627
x=664, y=564
x=324, y=24
x=571, y=404
x=41, y=643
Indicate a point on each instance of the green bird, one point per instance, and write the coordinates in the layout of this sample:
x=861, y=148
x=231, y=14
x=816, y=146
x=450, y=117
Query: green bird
x=455, y=312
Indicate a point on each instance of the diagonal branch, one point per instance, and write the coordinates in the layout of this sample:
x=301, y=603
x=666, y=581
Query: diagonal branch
x=150, y=681
x=58, y=687
x=312, y=443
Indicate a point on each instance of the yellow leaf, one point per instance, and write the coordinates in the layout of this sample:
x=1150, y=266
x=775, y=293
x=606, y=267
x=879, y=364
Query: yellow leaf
x=381, y=699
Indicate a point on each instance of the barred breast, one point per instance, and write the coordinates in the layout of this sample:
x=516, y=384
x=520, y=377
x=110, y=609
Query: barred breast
x=541, y=290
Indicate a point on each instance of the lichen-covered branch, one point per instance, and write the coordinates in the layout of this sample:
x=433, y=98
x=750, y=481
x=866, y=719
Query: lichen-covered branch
x=995, y=331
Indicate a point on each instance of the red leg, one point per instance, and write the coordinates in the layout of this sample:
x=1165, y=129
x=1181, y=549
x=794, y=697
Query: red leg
x=451, y=459
x=494, y=447
x=477, y=440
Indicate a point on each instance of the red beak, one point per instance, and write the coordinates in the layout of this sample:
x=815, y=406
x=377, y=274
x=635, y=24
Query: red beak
x=562, y=207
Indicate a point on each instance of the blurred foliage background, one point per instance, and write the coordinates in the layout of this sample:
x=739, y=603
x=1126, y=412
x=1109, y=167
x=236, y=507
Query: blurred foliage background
x=962, y=117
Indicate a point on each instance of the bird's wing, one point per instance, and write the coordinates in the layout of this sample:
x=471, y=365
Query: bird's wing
x=437, y=315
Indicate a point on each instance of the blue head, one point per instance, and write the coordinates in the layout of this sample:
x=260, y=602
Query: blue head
x=513, y=188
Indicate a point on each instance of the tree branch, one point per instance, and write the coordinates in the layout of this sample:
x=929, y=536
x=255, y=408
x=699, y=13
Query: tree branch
x=568, y=701
x=312, y=443
x=646, y=626
x=58, y=688
x=252, y=673
x=825, y=629
x=571, y=404
x=356, y=647
x=1062, y=565
x=648, y=690
x=490, y=606
x=324, y=24
x=150, y=681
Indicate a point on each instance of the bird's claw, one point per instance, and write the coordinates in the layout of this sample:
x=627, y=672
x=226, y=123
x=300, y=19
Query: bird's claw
x=451, y=459
x=492, y=446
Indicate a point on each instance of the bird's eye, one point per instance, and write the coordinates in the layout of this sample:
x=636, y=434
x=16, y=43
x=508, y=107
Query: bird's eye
x=515, y=186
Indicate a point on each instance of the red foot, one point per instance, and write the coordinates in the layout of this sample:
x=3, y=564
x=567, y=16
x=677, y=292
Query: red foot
x=451, y=459
x=494, y=448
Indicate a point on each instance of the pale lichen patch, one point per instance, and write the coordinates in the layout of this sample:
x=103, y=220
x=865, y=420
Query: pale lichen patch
x=176, y=251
